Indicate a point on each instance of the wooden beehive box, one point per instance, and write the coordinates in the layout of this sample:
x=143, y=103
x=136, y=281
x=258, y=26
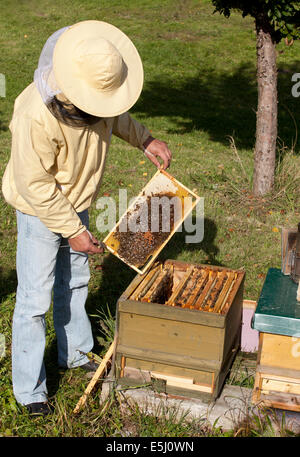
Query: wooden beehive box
x=277, y=318
x=175, y=344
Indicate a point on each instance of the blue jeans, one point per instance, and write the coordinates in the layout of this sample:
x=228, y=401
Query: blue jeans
x=46, y=264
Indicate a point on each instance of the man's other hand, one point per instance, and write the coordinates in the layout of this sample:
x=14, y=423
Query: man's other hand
x=87, y=243
x=155, y=148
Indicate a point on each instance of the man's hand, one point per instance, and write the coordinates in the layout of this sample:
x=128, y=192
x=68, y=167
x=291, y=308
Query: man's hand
x=155, y=148
x=87, y=243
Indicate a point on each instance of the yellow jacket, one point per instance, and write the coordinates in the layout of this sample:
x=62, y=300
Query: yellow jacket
x=55, y=170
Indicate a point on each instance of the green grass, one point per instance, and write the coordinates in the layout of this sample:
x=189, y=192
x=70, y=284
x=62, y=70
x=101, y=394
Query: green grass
x=200, y=96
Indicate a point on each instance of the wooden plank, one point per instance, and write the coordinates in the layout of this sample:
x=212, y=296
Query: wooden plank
x=237, y=284
x=167, y=336
x=233, y=318
x=194, y=387
x=256, y=389
x=99, y=372
x=216, y=292
x=280, y=351
x=225, y=291
x=269, y=384
x=122, y=366
x=280, y=378
x=260, y=345
x=174, y=313
x=276, y=391
x=148, y=285
x=208, y=286
x=182, y=283
x=158, y=281
x=183, y=383
x=182, y=298
x=136, y=368
x=188, y=191
x=145, y=283
x=281, y=401
x=196, y=363
x=193, y=296
x=180, y=379
x=251, y=304
x=278, y=371
x=137, y=280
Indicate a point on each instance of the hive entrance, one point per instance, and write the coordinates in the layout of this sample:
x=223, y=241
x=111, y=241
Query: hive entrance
x=197, y=287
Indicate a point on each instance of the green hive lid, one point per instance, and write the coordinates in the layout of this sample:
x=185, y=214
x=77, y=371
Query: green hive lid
x=278, y=310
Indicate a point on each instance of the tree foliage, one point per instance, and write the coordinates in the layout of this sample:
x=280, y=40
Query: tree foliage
x=282, y=15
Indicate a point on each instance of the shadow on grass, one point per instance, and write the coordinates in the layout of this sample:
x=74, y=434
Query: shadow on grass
x=221, y=104
x=3, y=124
x=8, y=282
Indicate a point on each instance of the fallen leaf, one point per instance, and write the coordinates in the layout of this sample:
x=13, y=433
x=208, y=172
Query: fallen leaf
x=142, y=162
x=145, y=174
x=261, y=275
x=275, y=229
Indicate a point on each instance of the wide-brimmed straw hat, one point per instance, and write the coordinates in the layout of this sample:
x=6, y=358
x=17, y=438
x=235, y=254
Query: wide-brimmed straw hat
x=98, y=68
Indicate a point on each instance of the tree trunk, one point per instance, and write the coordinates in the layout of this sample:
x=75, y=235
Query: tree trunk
x=266, y=117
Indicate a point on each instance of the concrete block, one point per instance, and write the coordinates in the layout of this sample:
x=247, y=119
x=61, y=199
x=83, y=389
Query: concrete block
x=231, y=411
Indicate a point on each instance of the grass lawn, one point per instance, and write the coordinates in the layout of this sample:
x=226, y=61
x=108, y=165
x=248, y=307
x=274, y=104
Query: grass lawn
x=200, y=96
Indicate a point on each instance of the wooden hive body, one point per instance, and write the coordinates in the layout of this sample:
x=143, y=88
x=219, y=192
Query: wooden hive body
x=277, y=381
x=277, y=318
x=186, y=352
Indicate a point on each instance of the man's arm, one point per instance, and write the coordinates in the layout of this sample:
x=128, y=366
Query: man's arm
x=86, y=242
x=130, y=130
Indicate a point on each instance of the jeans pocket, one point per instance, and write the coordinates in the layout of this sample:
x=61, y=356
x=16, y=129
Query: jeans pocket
x=32, y=227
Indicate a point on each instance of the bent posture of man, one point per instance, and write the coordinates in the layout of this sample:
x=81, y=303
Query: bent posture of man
x=89, y=75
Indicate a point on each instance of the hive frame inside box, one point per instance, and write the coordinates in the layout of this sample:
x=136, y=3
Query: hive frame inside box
x=185, y=372
x=147, y=190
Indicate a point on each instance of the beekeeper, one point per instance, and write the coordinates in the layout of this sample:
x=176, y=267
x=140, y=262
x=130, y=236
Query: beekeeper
x=89, y=75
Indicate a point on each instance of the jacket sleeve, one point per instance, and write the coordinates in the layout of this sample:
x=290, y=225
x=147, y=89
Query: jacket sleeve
x=130, y=130
x=34, y=153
